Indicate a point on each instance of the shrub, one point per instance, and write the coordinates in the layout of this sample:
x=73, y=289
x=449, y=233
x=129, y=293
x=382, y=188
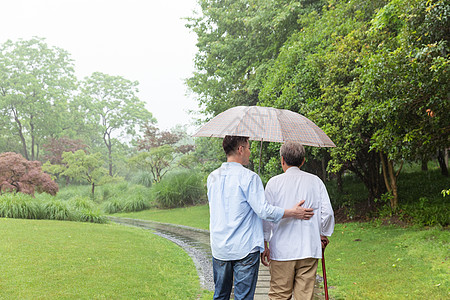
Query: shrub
x=113, y=206
x=427, y=213
x=20, y=206
x=142, y=177
x=59, y=210
x=135, y=204
x=20, y=175
x=80, y=203
x=93, y=216
x=180, y=189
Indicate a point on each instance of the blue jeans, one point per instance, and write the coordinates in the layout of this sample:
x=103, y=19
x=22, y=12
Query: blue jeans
x=245, y=273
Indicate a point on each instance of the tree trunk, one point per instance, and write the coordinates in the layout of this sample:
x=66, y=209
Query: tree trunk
x=32, y=137
x=324, y=169
x=107, y=140
x=424, y=165
x=340, y=186
x=367, y=168
x=93, y=190
x=442, y=165
x=390, y=179
x=22, y=138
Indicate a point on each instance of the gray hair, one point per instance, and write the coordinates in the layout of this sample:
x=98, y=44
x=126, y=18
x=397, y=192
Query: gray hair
x=293, y=153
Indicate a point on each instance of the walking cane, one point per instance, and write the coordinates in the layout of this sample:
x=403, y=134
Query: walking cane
x=324, y=274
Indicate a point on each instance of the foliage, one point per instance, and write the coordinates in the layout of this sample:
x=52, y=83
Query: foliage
x=125, y=197
x=86, y=167
x=180, y=189
x=20, y=206
x=36, y=84
x=157, y=161
x=426, y=213
x=144, y=178
x=209, y=154
x=108, y=99
x=237, y=41
x=20, y=175
x=372, y=74
x=158, y=151
x=445, y=192
x=58, y=210
x=56, y=147
x=112, y=206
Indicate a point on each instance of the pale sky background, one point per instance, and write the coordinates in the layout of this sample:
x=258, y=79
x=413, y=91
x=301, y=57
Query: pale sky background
x=143, y=40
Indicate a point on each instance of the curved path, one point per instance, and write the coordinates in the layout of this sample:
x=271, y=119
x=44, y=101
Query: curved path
x=196, y=243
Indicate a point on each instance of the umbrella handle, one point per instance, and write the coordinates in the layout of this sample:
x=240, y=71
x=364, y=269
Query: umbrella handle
x=324, y=274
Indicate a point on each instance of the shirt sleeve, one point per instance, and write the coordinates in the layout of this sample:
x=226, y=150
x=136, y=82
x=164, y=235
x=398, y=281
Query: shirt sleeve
x=257, y=201
x=327, y=217
x=267, y=226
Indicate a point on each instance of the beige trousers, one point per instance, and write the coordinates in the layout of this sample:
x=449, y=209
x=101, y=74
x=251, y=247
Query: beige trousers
x=292, y=278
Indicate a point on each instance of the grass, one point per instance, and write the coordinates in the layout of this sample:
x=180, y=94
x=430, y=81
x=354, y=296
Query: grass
x=365, y=261
x=44, y=259
x=193, y=216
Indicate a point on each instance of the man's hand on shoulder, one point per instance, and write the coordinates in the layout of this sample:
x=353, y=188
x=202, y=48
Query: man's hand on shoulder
x=299, y=212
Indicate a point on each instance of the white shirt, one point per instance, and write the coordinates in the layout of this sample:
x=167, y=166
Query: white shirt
x=237, y=205
x=293, y=239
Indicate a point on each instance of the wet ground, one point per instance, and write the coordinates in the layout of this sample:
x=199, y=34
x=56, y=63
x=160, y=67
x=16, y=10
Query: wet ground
x=196, y=243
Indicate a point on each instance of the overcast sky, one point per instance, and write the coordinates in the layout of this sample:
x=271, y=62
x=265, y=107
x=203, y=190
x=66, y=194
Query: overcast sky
x=143, y=40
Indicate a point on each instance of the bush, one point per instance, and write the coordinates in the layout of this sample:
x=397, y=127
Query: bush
x=80, y=203
x=180, y=189
x=427, y=213
x=139, y=199
x=59, y=210
x=142, y=177
x=20, y=206
x=93, y=216
x=113, y=206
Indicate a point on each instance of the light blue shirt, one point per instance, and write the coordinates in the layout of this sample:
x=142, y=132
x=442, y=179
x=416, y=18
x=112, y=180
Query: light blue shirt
x=237, y=205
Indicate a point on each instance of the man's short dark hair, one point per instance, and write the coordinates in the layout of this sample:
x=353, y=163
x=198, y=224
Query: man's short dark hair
x=293, y=153
x=232, y=142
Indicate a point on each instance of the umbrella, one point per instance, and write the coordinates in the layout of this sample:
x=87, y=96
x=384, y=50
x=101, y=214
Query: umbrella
x=265, y=124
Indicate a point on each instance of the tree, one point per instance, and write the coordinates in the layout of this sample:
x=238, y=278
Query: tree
x=85, y=167
x=406, y=84
x=113, y=106
x=157, y=161
x=317, y=74
x=56, y=147
x=237, y=40
x=36, y=82
x=20, y=175
x=158, y=150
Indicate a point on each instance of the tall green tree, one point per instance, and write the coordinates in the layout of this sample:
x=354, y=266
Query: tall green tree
x=113, y=107
x=406, y=83
x=237, y=40
x=317, y=74
x=36, y=83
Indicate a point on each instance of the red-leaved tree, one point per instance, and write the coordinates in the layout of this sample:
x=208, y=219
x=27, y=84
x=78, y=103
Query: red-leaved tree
x=20, y=175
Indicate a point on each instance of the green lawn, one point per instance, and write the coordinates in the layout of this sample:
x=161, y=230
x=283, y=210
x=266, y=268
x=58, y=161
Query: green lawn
x=364, y=260
x=70, y=260
x=193, y=216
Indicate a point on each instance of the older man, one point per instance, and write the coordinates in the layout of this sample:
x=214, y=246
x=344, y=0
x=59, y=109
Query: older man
x=293, y=247
x=237, y=204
